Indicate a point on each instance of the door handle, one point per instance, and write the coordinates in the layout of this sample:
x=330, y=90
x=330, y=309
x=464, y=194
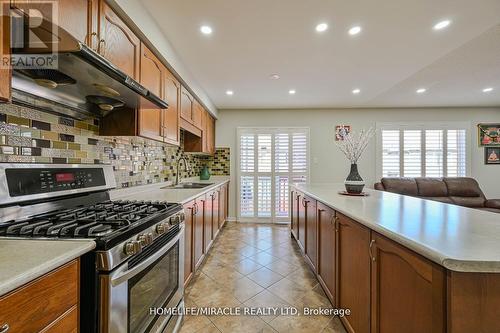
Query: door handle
x=370, y=250
x=4, y=328
x=99, y=47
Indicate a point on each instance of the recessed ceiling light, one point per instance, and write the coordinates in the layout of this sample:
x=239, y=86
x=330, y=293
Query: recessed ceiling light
x=229, y=92
x=487, y=90
x=441, y=25
x=354, y=30
x=206, y=30
x=356, y=91
x=321, y=27
x=275, y=76
x=292, y=91
x=421, y=90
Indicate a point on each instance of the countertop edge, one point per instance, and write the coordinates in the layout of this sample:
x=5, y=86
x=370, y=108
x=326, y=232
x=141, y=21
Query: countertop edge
x=452, y=264
x=205, y=190
x=48, y=266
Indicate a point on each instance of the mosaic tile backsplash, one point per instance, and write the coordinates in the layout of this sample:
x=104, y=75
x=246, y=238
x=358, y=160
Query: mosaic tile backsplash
x=31, y=136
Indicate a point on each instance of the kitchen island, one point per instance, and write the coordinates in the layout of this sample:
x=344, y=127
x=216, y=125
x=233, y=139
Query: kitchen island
x=401, y=263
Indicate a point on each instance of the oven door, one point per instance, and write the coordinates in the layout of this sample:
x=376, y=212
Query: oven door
x=153, y=279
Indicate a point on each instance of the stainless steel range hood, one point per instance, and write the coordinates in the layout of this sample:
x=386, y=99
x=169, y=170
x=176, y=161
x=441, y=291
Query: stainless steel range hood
x=81, y=84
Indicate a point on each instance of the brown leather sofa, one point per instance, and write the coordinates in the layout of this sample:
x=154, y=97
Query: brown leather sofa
x=460, y=191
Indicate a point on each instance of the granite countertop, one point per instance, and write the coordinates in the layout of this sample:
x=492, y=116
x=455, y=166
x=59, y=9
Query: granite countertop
x=23, y=260
x=458, y=238
x=155, y=192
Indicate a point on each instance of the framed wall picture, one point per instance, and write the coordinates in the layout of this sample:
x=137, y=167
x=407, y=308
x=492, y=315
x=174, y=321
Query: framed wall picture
x=492, y=155
x=489, y=134
x=341, y=131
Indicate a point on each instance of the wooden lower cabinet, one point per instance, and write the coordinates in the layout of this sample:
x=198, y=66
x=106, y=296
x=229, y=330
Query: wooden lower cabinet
x=198, y=231
x=47, y=304
x=301, y=221
x=311, y=232
x=327, y=249
x=353, y=274
x=202, y=225
x=294, y=214
x=408, y=291
x=208, y=222
x=188, y=241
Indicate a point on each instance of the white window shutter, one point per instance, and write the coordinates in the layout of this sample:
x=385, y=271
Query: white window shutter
x=390, y=153
x=434, y=152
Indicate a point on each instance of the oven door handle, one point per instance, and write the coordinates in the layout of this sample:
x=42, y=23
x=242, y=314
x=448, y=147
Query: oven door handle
x=124, y=274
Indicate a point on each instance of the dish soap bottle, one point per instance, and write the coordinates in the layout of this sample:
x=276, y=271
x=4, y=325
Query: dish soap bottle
x=204, y=174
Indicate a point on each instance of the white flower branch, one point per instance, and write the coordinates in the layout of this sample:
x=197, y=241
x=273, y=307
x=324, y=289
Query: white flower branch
x=354, y=145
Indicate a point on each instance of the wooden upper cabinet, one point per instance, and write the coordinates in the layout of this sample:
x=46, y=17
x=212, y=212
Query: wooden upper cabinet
x=197, y=114
x=408, y=291
x=117, y=42
x=151, y=77
x=5, y=72
x=171, y=116
x=353, y=274
x=187, y=105
x=210, y=136
x=327, y=243
x=78, y=17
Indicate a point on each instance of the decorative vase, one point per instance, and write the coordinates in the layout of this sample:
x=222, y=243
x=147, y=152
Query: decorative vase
x=205, y=174
x=354, y=183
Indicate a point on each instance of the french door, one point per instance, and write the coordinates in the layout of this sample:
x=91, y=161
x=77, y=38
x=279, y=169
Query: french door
x=269, y=159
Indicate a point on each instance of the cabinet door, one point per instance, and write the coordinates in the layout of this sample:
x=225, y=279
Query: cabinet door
x=151, y=77
x=327, y=242
x=215, y=212
x=408, y=291
x=210, y=134
x=187, y=104
x=171, y=121
x=311, y=232
x=118, y=43
x=188, y=241
x=197, y=114
x=207, y=221
x=222, y=205
x=198, y=231
x=5, y=73
x=301, y=221
x=353, y=275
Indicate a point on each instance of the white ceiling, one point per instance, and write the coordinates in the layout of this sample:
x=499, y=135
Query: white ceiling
x=396, y=53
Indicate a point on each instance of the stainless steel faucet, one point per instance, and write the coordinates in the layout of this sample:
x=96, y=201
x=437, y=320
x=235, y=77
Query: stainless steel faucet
x=186, y=168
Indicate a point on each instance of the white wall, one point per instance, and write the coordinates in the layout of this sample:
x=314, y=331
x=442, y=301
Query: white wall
x=145, y=22
x=327, y=162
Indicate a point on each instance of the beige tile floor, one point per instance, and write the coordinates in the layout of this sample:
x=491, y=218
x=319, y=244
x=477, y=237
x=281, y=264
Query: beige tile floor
x=256, y=266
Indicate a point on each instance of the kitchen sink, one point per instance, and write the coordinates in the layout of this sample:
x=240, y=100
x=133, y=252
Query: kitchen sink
x=188, y=186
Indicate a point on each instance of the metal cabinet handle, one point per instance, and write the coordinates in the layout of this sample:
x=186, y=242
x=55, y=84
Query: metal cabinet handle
x=103, y=48
x=370, y=250
x=4, y=328
x=89, y=39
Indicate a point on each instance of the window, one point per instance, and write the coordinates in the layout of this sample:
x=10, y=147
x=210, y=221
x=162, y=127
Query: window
x=269, y=160
x=422, y=150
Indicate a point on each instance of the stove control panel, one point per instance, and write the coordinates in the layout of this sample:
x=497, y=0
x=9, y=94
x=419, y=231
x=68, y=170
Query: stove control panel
x=36, y=181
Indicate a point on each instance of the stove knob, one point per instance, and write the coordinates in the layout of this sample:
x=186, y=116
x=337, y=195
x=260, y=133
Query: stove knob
x=132, y=247
x=182, y=216
x=173, y=220
x=149, y=238
x=160, y=228
x=143, y=240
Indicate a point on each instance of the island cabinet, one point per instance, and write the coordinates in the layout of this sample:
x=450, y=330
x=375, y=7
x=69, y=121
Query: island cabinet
x=117, y=42
x=301, y=221
x=408, y=292
x=327, y=243
x=353, y=274
x=311, y=250
x=47, y=304
x=294, y=214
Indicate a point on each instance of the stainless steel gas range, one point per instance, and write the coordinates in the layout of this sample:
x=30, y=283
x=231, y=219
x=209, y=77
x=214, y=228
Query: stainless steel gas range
x=138, y=262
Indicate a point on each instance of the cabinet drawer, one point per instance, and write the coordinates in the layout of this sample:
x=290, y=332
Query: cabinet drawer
x=33, y=307
x=67, y=323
